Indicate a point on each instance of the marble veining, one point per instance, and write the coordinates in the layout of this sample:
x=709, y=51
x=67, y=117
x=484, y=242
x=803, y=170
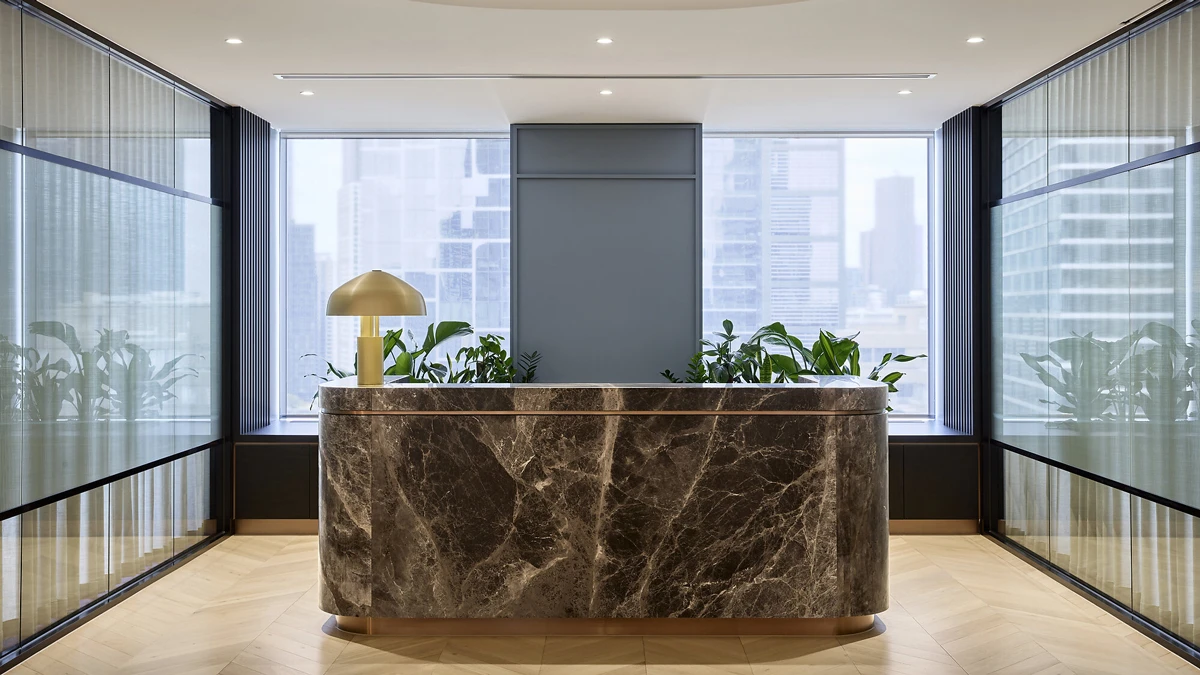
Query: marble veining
x=725, y=515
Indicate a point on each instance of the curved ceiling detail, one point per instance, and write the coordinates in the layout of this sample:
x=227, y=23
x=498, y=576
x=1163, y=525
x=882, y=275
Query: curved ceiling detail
x=612, y=4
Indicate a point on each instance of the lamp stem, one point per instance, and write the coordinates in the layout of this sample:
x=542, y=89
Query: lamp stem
x=368, y=326
x=370, y=352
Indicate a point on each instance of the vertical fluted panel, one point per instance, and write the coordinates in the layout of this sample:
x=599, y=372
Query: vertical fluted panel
x=962, y=209
x=252, y=197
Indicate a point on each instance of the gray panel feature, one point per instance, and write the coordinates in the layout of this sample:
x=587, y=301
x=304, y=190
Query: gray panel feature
x=606, y=249
x=607, y=277
x=614, y=149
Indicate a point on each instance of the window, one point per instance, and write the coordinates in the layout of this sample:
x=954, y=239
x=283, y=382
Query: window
x=822, y=233
x=433, y=211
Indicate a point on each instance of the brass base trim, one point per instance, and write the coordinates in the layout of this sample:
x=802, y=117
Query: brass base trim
x=274, y=526
x=902, y=527
x=509, y=627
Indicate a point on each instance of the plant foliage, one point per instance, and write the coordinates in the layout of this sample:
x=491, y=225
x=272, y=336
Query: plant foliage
x=114, y=377
x=483, y=362
x=772, y=355
x=1153, y=373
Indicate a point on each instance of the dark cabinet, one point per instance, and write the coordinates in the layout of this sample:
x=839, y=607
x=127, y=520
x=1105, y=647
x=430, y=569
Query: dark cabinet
x=275, y=481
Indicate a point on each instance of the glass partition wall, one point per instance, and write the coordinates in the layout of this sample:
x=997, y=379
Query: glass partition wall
x=1096, y=340
x=109, y=322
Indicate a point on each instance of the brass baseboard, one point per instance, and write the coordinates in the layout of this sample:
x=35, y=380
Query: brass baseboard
x=598, y=627
x=933, y=526
x=274, y=526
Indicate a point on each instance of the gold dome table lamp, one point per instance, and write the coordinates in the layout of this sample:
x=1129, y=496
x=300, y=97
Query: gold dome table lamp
x=370, y=296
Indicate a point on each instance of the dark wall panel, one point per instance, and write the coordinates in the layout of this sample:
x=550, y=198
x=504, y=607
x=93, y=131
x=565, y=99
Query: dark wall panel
x=941, y=481
x=275, y=481
x=252, y=204
x=606, y=249
x=962, y=216
x=895, y=482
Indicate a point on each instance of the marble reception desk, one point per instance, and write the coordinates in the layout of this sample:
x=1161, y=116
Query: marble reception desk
x=604, y=508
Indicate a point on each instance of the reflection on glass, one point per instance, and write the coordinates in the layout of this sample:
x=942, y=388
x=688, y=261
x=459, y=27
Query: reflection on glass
x=10, y=594
x=1023, y=145
x=196, y=318
x=1020, y=310
x=1088, y=281
x=433, y=211
x=1162, y=375
x=822, y=234
x=1089, y=116
x=64, y=554
x=193, y=515
x=144, y=266
x=1166, y=568
x=1027, y=503
x=141, y=523
x=119, y=282
x=1164, y=90
x=66, y=95
x=11, y=357
x=10, y=73
x=66, y=310
x=193, y=145
x=143, y=124
x=1090, y=533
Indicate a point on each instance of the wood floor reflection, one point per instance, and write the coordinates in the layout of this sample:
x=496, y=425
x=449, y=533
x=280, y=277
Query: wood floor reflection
x=959, y=605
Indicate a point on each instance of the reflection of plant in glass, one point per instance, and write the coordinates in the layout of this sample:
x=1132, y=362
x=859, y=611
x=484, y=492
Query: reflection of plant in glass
x=1088, y=375
x=1154, y=370
x=136, y=387
x=45, y=388
x=1162, y=365
x=86, y=382
x=754, y=362
x=115, y=376
x=10, y=380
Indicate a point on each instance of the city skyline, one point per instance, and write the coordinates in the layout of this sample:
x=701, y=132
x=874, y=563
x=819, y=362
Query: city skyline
x=436, y=213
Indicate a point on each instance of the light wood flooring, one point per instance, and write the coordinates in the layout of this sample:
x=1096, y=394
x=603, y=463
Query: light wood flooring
x=959, y=605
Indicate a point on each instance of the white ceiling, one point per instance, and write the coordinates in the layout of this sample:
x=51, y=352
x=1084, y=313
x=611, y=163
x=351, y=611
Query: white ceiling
x=186, y=37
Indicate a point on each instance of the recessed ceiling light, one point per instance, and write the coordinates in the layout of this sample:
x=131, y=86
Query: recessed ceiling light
x=904, y=92
x=604, y=41
x=606, y=92
x=233, y=41
x=306, y=93
x=974, y=40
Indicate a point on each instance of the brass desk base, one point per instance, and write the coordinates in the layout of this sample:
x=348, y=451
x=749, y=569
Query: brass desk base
x=448, y=627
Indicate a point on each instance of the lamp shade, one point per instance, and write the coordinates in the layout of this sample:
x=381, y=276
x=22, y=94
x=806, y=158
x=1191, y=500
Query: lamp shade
x=376, y=293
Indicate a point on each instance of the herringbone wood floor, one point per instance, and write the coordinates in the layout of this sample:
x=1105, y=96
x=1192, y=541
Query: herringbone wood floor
x=960, y=605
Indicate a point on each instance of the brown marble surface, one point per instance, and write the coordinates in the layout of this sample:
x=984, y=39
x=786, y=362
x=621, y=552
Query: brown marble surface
x=723, y=515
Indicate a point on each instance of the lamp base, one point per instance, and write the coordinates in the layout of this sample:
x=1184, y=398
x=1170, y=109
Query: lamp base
x=370, y=361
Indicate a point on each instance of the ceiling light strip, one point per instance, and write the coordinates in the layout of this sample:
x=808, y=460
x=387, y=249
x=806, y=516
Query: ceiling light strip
x=516, y=76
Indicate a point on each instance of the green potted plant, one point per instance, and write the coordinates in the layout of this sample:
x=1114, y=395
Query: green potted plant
x=484, y=362
x=773, y=355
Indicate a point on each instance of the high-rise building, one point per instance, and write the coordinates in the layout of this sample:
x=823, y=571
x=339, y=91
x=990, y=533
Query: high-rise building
x=304, y=310
x=435, y=212
x=773, y=219
x=893, y=244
